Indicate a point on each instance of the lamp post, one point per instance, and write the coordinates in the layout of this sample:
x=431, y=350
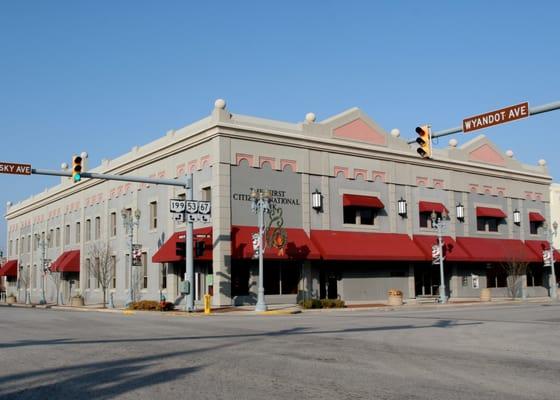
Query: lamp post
x=43, y=245
x=129, y=222
x=260, y=203
x=551, y=233
x=440, y=224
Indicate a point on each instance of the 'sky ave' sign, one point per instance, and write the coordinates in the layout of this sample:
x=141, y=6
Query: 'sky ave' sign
x=12, y=168
x=497, y=117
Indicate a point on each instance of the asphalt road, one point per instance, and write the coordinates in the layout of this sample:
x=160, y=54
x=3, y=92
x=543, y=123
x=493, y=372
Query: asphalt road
x=475, y=352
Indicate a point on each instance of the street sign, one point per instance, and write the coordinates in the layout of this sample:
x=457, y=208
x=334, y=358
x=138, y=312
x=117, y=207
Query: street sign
x=192, y=207
x=179, y=217
x=13, y=168
x=177, y=205
x=192, y=217
x=204, y=207
x=496, y=117
x=205, y=218
x=136, y=255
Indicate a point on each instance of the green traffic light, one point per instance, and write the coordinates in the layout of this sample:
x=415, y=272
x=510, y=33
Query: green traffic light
x=77, y=177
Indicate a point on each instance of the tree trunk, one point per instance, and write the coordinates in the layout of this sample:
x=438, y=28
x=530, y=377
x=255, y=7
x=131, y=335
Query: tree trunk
x=104, y=297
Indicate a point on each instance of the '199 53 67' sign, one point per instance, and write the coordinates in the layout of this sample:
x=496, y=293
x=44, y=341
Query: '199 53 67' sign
x=12, y=168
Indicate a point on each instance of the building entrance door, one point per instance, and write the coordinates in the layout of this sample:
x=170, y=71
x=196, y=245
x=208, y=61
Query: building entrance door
x=426, y=280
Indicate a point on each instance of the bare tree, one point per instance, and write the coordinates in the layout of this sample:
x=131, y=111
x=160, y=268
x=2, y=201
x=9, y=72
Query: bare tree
x=24, y=280
x=56, y=278
x=103, y=266
x=515, y=270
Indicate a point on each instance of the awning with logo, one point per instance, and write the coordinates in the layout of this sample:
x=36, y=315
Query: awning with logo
x=9, y=268
x=171, y=251
x=343, y=245
x=452, y=251
x=298, y=245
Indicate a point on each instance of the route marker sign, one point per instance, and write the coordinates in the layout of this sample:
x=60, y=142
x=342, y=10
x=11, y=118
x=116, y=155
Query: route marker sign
x=16, y=169
x=496, y=117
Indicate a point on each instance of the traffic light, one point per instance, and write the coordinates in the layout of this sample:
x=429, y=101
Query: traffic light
x=424, y=139
x=76, y=168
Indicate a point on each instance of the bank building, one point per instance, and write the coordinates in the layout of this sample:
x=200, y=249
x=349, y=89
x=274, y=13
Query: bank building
x=358, y=209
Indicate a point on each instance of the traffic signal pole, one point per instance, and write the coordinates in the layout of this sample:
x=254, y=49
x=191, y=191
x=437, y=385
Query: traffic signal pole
x=189, y=271
x=532, y=111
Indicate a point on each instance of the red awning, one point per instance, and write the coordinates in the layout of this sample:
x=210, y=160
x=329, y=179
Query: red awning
x=342, y=245
x=490, y=212
x=429, y=206
x=56, y=263
x=9, y=268
x=70, y=262
x=361, y=201
x=538, y=246
x=496, y=250
x=167, y=253
x=299, y=246
x=452, y=251
x=536, y=217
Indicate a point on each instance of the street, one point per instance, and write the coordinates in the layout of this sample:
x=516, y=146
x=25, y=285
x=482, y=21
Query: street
x=475, y=352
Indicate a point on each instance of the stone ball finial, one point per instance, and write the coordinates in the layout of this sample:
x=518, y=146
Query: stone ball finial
x=509, y=153
x=220, y=104
x=64, y=166
x=8, y=204
x=542, y=162
x=310, y=117
x=453, y=143
x=395, y=132
x=84, y=155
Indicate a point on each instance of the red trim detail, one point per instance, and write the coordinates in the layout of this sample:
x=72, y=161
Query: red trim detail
x=9, y=268
x=452, y=251
x=497, y=250
x=490, y=212
x=429, y=206
x=342, y=245
x=299, y=246
x=361, y=201
x=167, y=253
x=536, y=217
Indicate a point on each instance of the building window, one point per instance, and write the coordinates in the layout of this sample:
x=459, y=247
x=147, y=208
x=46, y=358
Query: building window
x=145, y=270
x=78, y=232
x=127, y=271
x=207, y=193
x=88, y=230
x=97, y=227
x=11, y=248
x=17, y=246
x=534, y=227
x=50, y=238
x=426, y=219
x=33, y=277
x=281, y=278
x=113, y=272
x=153, y=215
x=496, y=277
x=67, y=235
x=359, y=215
x=57, y=237
x=29, y=243
x=534, y=276
x=113, y=224
x=96, y=267
x=163, y=276
x=240, y=274
x=487, y=224
x=88, y=273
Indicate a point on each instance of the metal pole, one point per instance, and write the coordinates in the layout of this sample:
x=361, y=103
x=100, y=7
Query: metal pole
x=442, y=296
x=261, y=305
x=532, y=111
x=43, y=273
x=131, y=275
x=553, y=291
x=189, y=270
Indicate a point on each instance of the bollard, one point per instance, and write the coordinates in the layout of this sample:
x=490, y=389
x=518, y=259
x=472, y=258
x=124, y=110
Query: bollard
x=207, y=302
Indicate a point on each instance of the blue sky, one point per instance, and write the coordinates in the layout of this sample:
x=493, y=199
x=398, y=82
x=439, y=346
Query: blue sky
x=102, y=76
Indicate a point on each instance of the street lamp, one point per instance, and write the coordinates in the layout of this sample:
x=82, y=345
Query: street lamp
x=260, y=203
x=44, y=262
x=129, y=222
x=440, y=224
x=550, y=233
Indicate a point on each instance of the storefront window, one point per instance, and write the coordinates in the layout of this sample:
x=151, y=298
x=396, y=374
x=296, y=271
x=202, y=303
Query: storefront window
x=484, y=224
x=240, y=279
x=359, y=215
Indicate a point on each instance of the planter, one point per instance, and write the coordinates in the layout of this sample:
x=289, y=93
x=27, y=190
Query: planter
x=77, y=301
x=395, y=300
x=11, y=300
x=485, y=294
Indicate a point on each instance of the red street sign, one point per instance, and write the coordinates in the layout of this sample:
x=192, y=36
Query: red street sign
x=497, y=117
x=12, y=168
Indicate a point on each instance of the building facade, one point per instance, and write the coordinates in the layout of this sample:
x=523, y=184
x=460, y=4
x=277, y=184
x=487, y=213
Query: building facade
x=356, y=246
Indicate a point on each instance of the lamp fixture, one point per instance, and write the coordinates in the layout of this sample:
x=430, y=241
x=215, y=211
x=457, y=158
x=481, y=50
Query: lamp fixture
x=402, y=207
x=460, y=209
x=516, y=217
x=317, y=200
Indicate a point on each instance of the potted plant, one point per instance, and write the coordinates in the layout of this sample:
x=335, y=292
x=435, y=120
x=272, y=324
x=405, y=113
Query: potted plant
x=77, y=300
x=11, y=299
x=395, y=297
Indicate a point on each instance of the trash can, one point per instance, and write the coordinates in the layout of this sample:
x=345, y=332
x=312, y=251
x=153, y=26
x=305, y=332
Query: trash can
x=485, y=294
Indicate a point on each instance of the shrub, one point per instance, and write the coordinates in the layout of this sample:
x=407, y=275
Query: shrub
x=324, y=303
x=151, y=305
x=394, y=292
